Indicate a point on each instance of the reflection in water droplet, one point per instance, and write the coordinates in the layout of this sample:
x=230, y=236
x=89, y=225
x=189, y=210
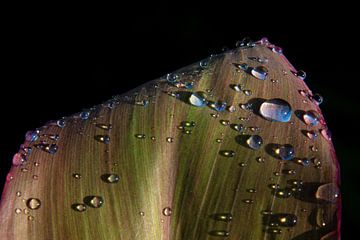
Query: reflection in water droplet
x=227, y=153
x=198, y=99
x=260, y=160
x=219, y=106
x=277, y=110
x=282, y=220
x=169, y=139
x=225, y=122
x=277, y=50
x=18, y=194
x=142, y=213
x=251, y=190
x=283, y=193
x=275, y=230
x=33, y=203
x=254, y=142
x=285, y=152
x=167, y=211
x=31, y=218
x=103, y=139
x=328, y=192
x=247, y=92
x=259, y=72
x=140, y=136
x=311, y=118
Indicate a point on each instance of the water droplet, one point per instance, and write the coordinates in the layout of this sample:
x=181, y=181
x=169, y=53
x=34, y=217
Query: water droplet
x=311, y=118
x=110, y=178
x=79, y=207
x=274, y=186
x=236, y=87
x=103, y=139
x=26, y=211
x=172, y=77
x=225, y=122
x=204, y=63
x=18, y=159
x=143, y=103
x=260, y=72
x=231, y=109
x=18, y=210
x=289, y=171
x=169, y=139
x=218, y=106
x=227, y=153
x=311, y=135
x=84, y=115
x=54, y=137
x=94, y=201
x=77, y=175
x=301, y=74
x=32, y=136
x=18, y=194
x=167, y=211
x=314, y=149
x=247, y=92
x=153, y=138
x=214, y=115
x=33, y=203
x=225, y=217
x=283, y=193
x=198, y=99
x=9, y=177
x=260, y=160
x=238, y=127
x=254, y=142
x=140, y=136
x=326, y=134
x=328, y=192
x=49, y=148
x=283, y=220
x=317, y=163
x=242, y=164
x=251, y=190
x=35, y=177
x=104, y=126
x=242, y=66
x=277, y=110
x=219, y=233
x=31, y=218
x=142, y=213
x=61, y=123
x=285, y=152
x=277, y=50
x=248, y=201
x=317, y=98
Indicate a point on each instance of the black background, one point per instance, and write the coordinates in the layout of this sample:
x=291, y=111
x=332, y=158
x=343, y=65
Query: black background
x=59, y=61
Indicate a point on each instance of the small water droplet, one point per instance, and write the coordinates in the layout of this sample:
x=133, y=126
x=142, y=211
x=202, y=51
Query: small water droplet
x=260, y=160
x=238, y=127
x=77, y=175
x=251, y=190
x=26, y=211
x=236, y=87
x=33, y=203
x=61, y=123
x=225, y=122
x=300, y=74
x=225, y=217
x=110, y=178
x=328, y=192
x=153, y=138
x=204, y=63
x=31, y=218
x=103, y=139
x=94, y=201
x=32, y=136
x=314, y=149
x=35, y=177
x=219, y=233
x=317, y=98
x=260, y=72
x=198, y=99
x=289, y=171
x=104, y=126
x=248, y=201
x=247, y=92
x=283, y=193
x=242, y=164
x=274, y=186
x=311, y=135
x=283, y=220
x=219, y=106
x=277, y=110
x=241, y=66
x=140, y=136
x=254, y=142
x=321, y=217
x=326, y=134
x=167, y=211
x=311, y=118
x=285, y=152
x=79, y=207
x=18, y=210
x=84, y=115
x=277, y=50
x=227, y=153
x=18, y=194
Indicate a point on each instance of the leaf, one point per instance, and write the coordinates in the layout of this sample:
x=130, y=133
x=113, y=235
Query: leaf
x=150, y=165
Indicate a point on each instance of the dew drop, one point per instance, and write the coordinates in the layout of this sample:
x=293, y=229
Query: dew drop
x=254, y=142
x=18, y=210
x=167, y=211
x=241, y=66
x=84, y=115
x=231, y=109
x=317, y=98
x=77, y=175
x=283, y=193
x=18, y=194
x=219, y=233
x=94, y=201
x=236, y=87
x=142, y=213
x=61, y=123
x=328, y=192
x=248, y=201
x=301, y=74
x=259, y=72
x=260, y=160
x=33, y=203
x=277, y=50
x=321, y=217
x=283, y=220
x=247, y=92
x=198, y=99
x=32, y=136
x=326, y=134
x=238, y=127
x=277, y=110
x=50, y=148
x=79, y=207
x=227, y=153
x=169, y=139
x=110, y=178
x=285, y=152
x=219, y=140
x=104, y=126
x=225, y=217
x=103, y=139
x=251, y=190
x=311, y=135
x=140, y=136
x=275, y=230
x=225, y=122
x=311, y=118
x=31, y=218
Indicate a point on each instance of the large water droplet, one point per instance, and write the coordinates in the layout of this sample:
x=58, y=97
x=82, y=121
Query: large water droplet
x=328, y=192
x=277, y=110
x=167, y=211
x=198, y=99
x=311, y=118
x=94, y=201
x=33, y=203
x=259, y=72
x=254, y=142
x=285, y=152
